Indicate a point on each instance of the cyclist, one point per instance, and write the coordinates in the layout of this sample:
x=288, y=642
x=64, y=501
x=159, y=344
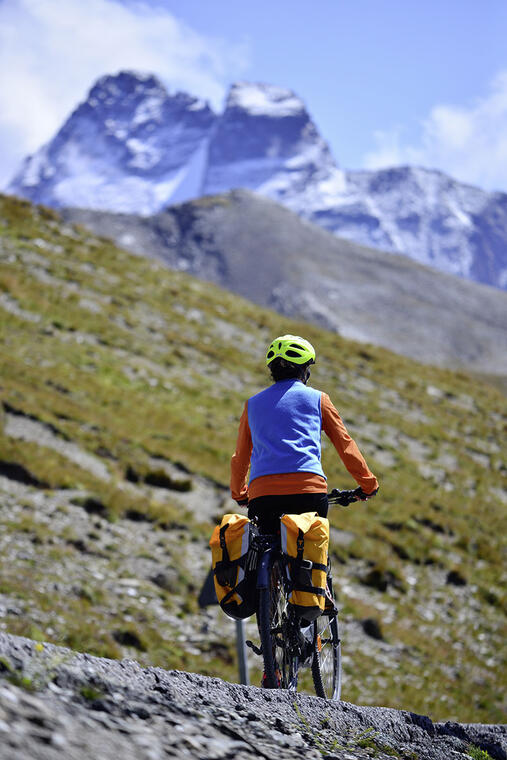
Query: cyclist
x=279, y=439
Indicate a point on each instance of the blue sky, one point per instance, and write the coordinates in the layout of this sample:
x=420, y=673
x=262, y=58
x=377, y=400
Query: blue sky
x=364, y=66
x=386, y=81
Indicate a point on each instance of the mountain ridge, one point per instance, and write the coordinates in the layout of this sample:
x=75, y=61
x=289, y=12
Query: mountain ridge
x=261, y=250
x=131, y=147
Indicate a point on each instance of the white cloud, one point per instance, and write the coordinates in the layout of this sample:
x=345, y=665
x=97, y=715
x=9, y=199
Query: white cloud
x=51, y=52
x=469, y=143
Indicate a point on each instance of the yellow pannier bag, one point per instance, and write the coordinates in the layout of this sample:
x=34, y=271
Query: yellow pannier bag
x=305, y=541
x=235, y=582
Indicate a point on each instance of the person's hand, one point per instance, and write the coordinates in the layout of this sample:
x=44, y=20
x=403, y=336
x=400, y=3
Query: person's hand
x=362, y=496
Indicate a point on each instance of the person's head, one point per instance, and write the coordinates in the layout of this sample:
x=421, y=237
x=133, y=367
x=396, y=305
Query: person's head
x=290, y=356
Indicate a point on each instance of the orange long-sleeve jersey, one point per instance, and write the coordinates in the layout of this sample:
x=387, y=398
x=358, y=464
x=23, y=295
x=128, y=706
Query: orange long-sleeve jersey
x=298, y=482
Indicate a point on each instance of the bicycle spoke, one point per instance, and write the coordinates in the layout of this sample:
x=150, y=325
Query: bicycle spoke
x=280, y=665
x=326, y=663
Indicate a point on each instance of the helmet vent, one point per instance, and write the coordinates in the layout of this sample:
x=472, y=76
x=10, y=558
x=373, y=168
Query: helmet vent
x=291, y=347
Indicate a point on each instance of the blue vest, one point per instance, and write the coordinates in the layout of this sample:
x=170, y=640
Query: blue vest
x=285, y=422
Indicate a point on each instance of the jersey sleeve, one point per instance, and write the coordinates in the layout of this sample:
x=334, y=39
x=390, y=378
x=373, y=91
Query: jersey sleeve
x=349, y=453
x=240, y=461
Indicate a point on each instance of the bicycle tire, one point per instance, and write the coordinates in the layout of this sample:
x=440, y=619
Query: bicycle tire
x=280, y=665
x=327, y=661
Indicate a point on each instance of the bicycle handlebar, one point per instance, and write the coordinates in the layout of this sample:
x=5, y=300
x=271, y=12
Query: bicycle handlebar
x=343, y=498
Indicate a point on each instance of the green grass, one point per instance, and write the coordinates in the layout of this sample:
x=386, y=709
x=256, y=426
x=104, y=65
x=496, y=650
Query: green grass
x=478, y=754
x=132, y=362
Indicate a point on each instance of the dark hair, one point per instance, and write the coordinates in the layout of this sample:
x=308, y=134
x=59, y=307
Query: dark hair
x=281, y=369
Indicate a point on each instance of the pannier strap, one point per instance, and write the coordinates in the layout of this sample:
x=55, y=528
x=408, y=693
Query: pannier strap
x=310, y=589
x=228, y=596
x=307, y=564
x=226, y=564
x=223, y=545
x=300, y=545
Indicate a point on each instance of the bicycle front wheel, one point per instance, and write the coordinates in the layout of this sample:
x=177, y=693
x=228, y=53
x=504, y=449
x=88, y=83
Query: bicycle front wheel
x=326, y=662
x=274, y=620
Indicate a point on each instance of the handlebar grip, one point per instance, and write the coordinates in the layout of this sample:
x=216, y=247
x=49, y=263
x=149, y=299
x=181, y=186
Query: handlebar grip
x=343, y=498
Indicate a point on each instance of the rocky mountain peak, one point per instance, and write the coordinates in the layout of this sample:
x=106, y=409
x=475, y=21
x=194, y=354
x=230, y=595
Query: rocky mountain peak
x=138, y=99
x=134, y=147
x=413, y=209
x=117, y=89
x=130, y=146
x=266, y=141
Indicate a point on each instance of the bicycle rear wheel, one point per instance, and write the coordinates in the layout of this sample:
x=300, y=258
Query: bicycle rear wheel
x=327, y=661
x=274, y=620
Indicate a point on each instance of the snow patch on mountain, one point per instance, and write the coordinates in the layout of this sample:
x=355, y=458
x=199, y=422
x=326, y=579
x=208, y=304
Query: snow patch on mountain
x=37, y=168
x=264, y=100
x=149, y=109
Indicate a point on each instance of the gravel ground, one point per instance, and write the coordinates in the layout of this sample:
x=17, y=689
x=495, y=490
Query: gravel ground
x=55, y=704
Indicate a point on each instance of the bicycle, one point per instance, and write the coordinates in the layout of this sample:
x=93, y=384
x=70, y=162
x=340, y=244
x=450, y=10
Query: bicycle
x=286, y=646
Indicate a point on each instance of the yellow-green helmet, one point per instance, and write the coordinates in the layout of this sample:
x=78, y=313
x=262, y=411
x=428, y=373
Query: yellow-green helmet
x=292, y=348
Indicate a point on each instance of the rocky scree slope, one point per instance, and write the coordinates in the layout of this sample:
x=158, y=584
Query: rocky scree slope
x=74, y=706
x=121, y=388
x=133, y=147
x=262, y=251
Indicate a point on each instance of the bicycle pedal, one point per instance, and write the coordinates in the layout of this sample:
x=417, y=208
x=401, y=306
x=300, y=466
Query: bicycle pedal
x=251, y=645
x=296, y=644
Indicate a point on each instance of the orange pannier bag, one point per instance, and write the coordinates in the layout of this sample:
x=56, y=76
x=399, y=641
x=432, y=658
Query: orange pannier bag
x=234, y=576
x=305, y=541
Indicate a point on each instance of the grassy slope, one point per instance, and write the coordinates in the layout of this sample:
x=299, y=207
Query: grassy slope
x=132, y=361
